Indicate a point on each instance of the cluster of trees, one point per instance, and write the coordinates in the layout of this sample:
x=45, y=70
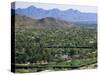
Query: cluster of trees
x=32, y=45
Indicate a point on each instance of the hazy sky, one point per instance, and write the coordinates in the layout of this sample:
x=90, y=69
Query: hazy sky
x=59, y=6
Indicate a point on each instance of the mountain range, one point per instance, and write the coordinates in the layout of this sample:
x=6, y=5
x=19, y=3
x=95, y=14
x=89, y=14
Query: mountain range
x=24, y=22
x=67, y=15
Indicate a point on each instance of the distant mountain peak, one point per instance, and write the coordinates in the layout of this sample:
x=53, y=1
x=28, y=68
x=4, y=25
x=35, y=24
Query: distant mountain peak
x=30, y=9
x=72, y=10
